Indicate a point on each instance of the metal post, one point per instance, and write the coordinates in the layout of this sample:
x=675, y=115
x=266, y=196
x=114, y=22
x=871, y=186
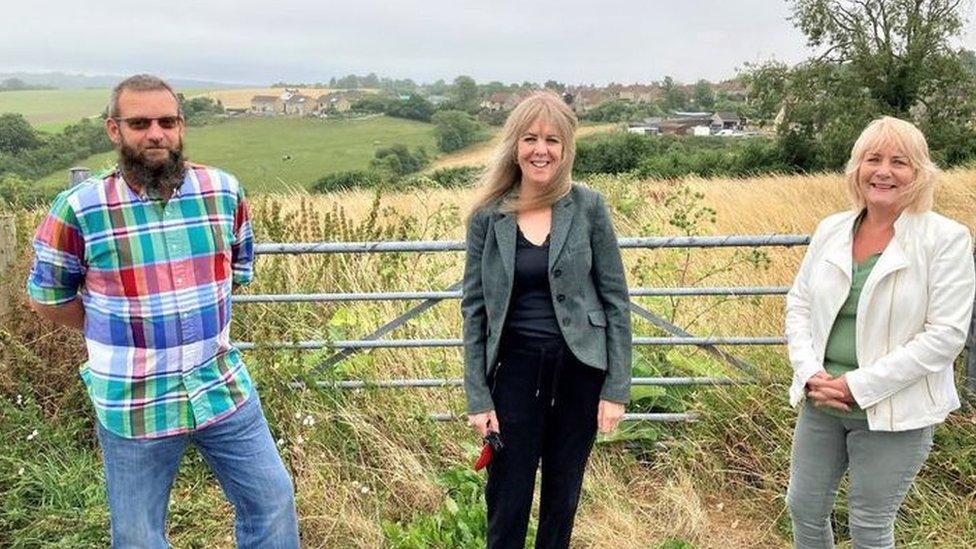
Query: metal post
x=77, y=175
x=969, y=375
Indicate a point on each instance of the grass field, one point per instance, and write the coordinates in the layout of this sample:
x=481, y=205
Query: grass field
x=52, y=110
x=254, y=149
x=371, y=471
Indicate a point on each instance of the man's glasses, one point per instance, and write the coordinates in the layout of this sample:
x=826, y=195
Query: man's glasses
x=142, y=123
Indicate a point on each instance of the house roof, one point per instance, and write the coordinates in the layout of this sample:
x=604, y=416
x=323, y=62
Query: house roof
x=728, y=115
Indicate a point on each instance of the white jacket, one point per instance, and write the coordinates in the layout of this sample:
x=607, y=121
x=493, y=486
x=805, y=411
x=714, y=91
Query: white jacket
x=912, y=317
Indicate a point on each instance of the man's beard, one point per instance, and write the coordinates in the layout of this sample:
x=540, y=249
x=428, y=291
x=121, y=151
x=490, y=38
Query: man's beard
x=158, y=179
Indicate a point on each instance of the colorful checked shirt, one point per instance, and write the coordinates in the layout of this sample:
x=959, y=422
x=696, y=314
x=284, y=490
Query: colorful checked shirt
x=155, y=280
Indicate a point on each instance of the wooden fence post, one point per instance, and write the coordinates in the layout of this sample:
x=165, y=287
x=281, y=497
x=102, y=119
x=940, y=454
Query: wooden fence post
x=8, y=241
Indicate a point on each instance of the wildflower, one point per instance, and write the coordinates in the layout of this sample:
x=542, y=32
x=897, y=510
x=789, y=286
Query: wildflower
x=308, y=421
x=20, y=400
x=299, y=440
x=20, y=471
x=32, y=436
x=364, y=489
x=280, y=442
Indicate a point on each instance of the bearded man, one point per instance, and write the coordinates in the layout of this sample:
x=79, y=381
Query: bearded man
x=143, y=261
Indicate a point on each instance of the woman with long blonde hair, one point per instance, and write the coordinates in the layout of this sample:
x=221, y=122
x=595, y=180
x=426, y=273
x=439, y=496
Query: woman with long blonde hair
x=547, y=337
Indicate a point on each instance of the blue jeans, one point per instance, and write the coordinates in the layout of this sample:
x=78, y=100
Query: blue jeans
x=139, y=474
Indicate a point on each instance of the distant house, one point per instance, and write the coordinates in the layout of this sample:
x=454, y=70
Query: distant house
x=684, y=125
x=266, y=104
x=497, y=101
x=300, y=105
x=638, y=93
x=339, y=101
x=437, y=100
x=585, y=99
x=642, y=128
x=503, y=100
x=724, y=120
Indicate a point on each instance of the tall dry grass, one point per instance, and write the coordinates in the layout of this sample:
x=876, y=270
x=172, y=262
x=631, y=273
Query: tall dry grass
x=366, y=460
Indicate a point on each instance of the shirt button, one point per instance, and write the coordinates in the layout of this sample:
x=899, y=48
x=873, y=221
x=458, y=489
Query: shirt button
x=560, y=298
x=566, y=321
x=557, y=273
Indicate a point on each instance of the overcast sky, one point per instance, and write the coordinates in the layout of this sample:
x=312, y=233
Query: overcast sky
x=248, y=41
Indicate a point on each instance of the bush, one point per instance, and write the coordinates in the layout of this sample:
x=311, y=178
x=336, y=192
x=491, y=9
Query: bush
x=57, y=152
x=16, y=192
x=462, y=176
x=456, y=130
x=612, y=153
x=621, y=110
x=677, y=156
x=398, y=161
x=344, y=181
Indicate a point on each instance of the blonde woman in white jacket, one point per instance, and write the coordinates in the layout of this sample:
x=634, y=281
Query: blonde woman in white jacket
x=876, y=316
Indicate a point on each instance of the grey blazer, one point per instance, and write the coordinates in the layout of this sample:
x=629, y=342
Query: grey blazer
x=589, y=292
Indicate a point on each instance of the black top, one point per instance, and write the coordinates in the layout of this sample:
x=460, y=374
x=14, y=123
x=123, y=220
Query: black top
x=531, y=313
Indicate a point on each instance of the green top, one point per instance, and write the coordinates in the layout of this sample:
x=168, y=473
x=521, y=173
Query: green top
x=840, y=356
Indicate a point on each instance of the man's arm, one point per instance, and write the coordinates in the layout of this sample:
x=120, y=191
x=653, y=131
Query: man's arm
x=70, y=314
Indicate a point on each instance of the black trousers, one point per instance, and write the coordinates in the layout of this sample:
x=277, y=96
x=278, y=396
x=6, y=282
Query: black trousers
x=546, y=401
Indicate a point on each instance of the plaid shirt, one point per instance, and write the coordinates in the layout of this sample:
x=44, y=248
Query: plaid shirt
x=155, y=280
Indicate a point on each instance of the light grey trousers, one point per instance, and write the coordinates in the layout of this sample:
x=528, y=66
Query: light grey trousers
x=882, y=467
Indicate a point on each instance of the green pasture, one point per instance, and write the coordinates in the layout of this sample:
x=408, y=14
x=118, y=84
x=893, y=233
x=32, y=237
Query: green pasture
x=52, y=110
x=275, y=154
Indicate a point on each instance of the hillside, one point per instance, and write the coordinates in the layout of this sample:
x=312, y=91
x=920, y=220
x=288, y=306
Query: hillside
x=52, y=110
x=269, y=154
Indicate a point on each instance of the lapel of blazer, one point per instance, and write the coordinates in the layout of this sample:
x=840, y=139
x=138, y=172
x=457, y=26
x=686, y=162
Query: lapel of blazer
x=505, y=235
x=562, y=217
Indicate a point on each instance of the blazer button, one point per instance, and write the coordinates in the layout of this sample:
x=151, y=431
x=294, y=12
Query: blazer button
x=566, y=321
x=560, y=298
x=557, y=273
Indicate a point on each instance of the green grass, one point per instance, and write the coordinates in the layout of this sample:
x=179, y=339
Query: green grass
x=253, y=149
x=52, y=110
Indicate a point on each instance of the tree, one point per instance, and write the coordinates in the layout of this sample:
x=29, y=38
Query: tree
x=875, y=57
x=16, y=134
x=465, y=95
x=704, y=96
x=558, y=87
x=674, y=96
x=455, y=130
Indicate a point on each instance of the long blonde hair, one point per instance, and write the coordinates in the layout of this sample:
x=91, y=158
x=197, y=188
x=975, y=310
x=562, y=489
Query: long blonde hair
x=503, y=176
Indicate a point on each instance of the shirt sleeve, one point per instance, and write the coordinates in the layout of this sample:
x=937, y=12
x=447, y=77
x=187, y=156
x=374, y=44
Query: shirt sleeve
x=242, y=251
x=59, y=256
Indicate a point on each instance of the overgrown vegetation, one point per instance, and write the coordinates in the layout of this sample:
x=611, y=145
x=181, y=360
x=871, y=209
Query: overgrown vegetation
x=875, y=57
x=665, y=157
x=371, y=470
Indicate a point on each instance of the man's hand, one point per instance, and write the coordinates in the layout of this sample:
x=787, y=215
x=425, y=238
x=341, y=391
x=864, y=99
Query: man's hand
x=70, y=314
x=484, y=422
x=608, y=416
x=830, y=392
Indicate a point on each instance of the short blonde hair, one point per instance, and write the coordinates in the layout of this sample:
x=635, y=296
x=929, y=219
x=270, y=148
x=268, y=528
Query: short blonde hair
x=908, y=139
x=503, y=174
